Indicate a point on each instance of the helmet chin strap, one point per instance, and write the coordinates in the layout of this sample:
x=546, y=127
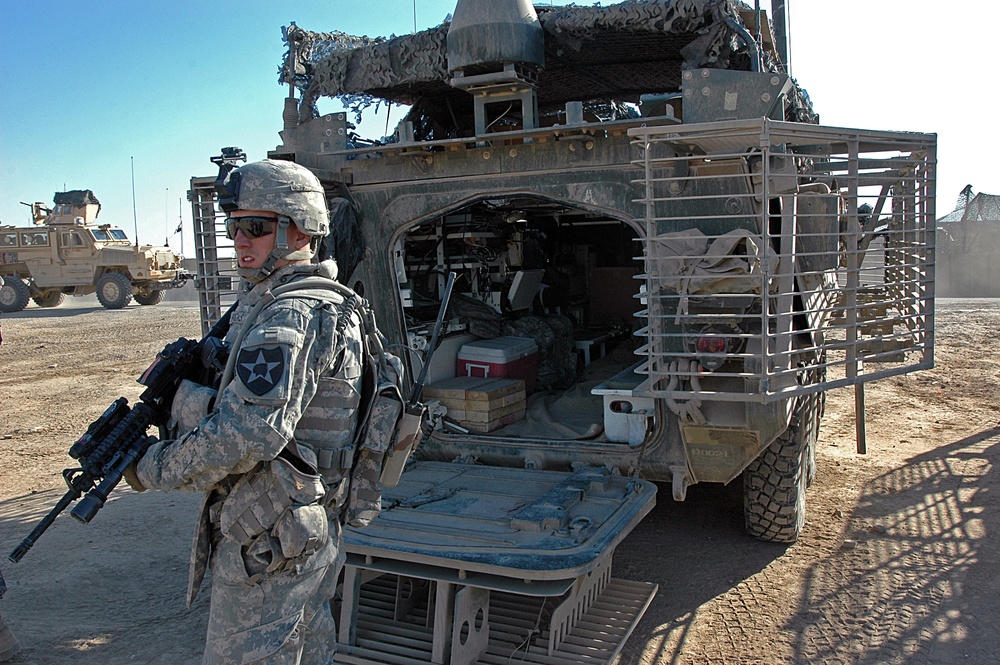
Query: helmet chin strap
x=280, y=251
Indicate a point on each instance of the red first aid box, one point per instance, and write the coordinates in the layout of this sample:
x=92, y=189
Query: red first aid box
x=501, y=358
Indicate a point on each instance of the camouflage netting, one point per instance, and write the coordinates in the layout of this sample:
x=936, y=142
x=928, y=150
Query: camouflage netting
x=605, y=55
x=335, y=64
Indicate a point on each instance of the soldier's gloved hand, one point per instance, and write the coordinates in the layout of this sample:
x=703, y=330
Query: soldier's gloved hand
x=132, y=478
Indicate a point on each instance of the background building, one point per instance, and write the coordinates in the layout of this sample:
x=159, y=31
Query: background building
x=968, y=247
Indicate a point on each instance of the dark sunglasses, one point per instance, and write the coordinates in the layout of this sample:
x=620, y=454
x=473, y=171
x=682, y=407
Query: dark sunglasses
x=252, y=227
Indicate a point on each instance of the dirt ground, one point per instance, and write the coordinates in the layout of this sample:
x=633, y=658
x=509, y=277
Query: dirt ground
x=897, y=564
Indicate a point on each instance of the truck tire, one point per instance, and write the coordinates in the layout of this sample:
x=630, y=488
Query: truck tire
x=114, y=290
x=150, y=298
x=14, y=295
x=50, y=299
x=774, y=486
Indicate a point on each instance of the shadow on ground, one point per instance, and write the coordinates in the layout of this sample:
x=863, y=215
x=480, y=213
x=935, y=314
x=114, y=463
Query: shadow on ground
x=907, y=577
x=695, y=551
x=921, y=585
x=111, y=591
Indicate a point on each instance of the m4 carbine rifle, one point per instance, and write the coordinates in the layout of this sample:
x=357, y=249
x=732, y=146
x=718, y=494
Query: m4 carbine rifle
x=117, y=439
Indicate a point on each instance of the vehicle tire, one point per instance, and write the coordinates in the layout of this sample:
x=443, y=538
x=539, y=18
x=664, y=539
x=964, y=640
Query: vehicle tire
x=150, y=298
x=114, y=290
x=14, y=295
x=774, y=487
x=50, y=299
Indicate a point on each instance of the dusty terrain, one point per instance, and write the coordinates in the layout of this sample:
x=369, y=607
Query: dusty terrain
x=898, y=562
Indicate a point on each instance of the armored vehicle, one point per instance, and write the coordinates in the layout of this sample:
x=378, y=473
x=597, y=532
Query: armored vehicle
x=663, y=263
x=66, y=251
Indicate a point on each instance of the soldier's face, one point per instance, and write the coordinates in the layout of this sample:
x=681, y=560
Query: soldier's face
x=252, y=252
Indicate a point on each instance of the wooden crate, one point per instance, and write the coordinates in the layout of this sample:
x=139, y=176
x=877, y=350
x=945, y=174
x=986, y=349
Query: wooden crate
x=480, y=404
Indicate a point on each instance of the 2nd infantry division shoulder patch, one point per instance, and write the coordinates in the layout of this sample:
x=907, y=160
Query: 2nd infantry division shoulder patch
x=261, y=368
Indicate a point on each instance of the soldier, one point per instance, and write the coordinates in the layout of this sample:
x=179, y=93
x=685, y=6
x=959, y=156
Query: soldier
x=274, y=453
x=9, y=646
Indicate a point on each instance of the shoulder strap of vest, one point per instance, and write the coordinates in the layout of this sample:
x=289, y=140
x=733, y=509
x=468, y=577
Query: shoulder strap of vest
x=313, y=286
x=375, y=364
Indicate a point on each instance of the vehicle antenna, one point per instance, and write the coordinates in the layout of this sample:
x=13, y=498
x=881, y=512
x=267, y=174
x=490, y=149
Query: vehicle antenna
x=135, y=219
x=166, y=223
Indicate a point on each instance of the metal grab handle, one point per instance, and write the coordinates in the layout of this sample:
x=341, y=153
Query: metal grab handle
x=470, y=366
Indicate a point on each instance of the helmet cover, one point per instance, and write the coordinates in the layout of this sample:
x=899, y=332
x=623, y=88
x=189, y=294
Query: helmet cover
x=285, y=188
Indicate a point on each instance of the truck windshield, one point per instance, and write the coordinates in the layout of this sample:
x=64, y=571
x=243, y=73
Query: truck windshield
x=109, y=235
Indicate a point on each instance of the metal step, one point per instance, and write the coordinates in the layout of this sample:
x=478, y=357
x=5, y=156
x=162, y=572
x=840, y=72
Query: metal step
x=518, y=628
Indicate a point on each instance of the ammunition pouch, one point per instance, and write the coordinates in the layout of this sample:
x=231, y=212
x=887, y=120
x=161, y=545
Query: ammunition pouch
x=301, y=530
x=277, y=495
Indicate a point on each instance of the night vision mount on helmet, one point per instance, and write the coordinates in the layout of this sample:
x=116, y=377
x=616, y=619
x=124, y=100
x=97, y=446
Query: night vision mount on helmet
x=285, y=188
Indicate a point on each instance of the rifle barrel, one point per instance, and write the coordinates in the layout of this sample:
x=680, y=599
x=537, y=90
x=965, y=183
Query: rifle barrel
x=36, y=533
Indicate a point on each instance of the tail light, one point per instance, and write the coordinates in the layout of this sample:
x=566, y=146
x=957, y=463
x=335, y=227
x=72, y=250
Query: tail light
x=713, y=345
x=711, y=350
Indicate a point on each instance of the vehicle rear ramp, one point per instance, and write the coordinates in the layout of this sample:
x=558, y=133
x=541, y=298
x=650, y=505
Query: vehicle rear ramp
x=474, y=564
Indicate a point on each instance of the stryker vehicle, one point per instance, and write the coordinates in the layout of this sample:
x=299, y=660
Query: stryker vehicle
x=650, y=228
x=67, y=252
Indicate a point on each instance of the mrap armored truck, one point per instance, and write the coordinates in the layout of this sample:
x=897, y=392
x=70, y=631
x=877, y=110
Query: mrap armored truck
x=66, y=251
x=663, y=261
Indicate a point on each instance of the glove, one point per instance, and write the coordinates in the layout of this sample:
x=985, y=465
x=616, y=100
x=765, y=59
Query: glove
x=130, y=475
x=132, y=478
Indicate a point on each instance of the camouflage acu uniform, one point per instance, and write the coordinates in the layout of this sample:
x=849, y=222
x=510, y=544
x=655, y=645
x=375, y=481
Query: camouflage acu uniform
x=9, y=646
x=272, y=524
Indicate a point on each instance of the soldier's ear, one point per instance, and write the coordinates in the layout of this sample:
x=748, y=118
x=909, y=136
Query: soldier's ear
x=297, y=238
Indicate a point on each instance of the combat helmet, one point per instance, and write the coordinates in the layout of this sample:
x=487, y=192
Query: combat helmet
x=286, y=188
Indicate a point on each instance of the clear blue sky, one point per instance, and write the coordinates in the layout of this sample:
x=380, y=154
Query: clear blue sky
x=90, y=88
